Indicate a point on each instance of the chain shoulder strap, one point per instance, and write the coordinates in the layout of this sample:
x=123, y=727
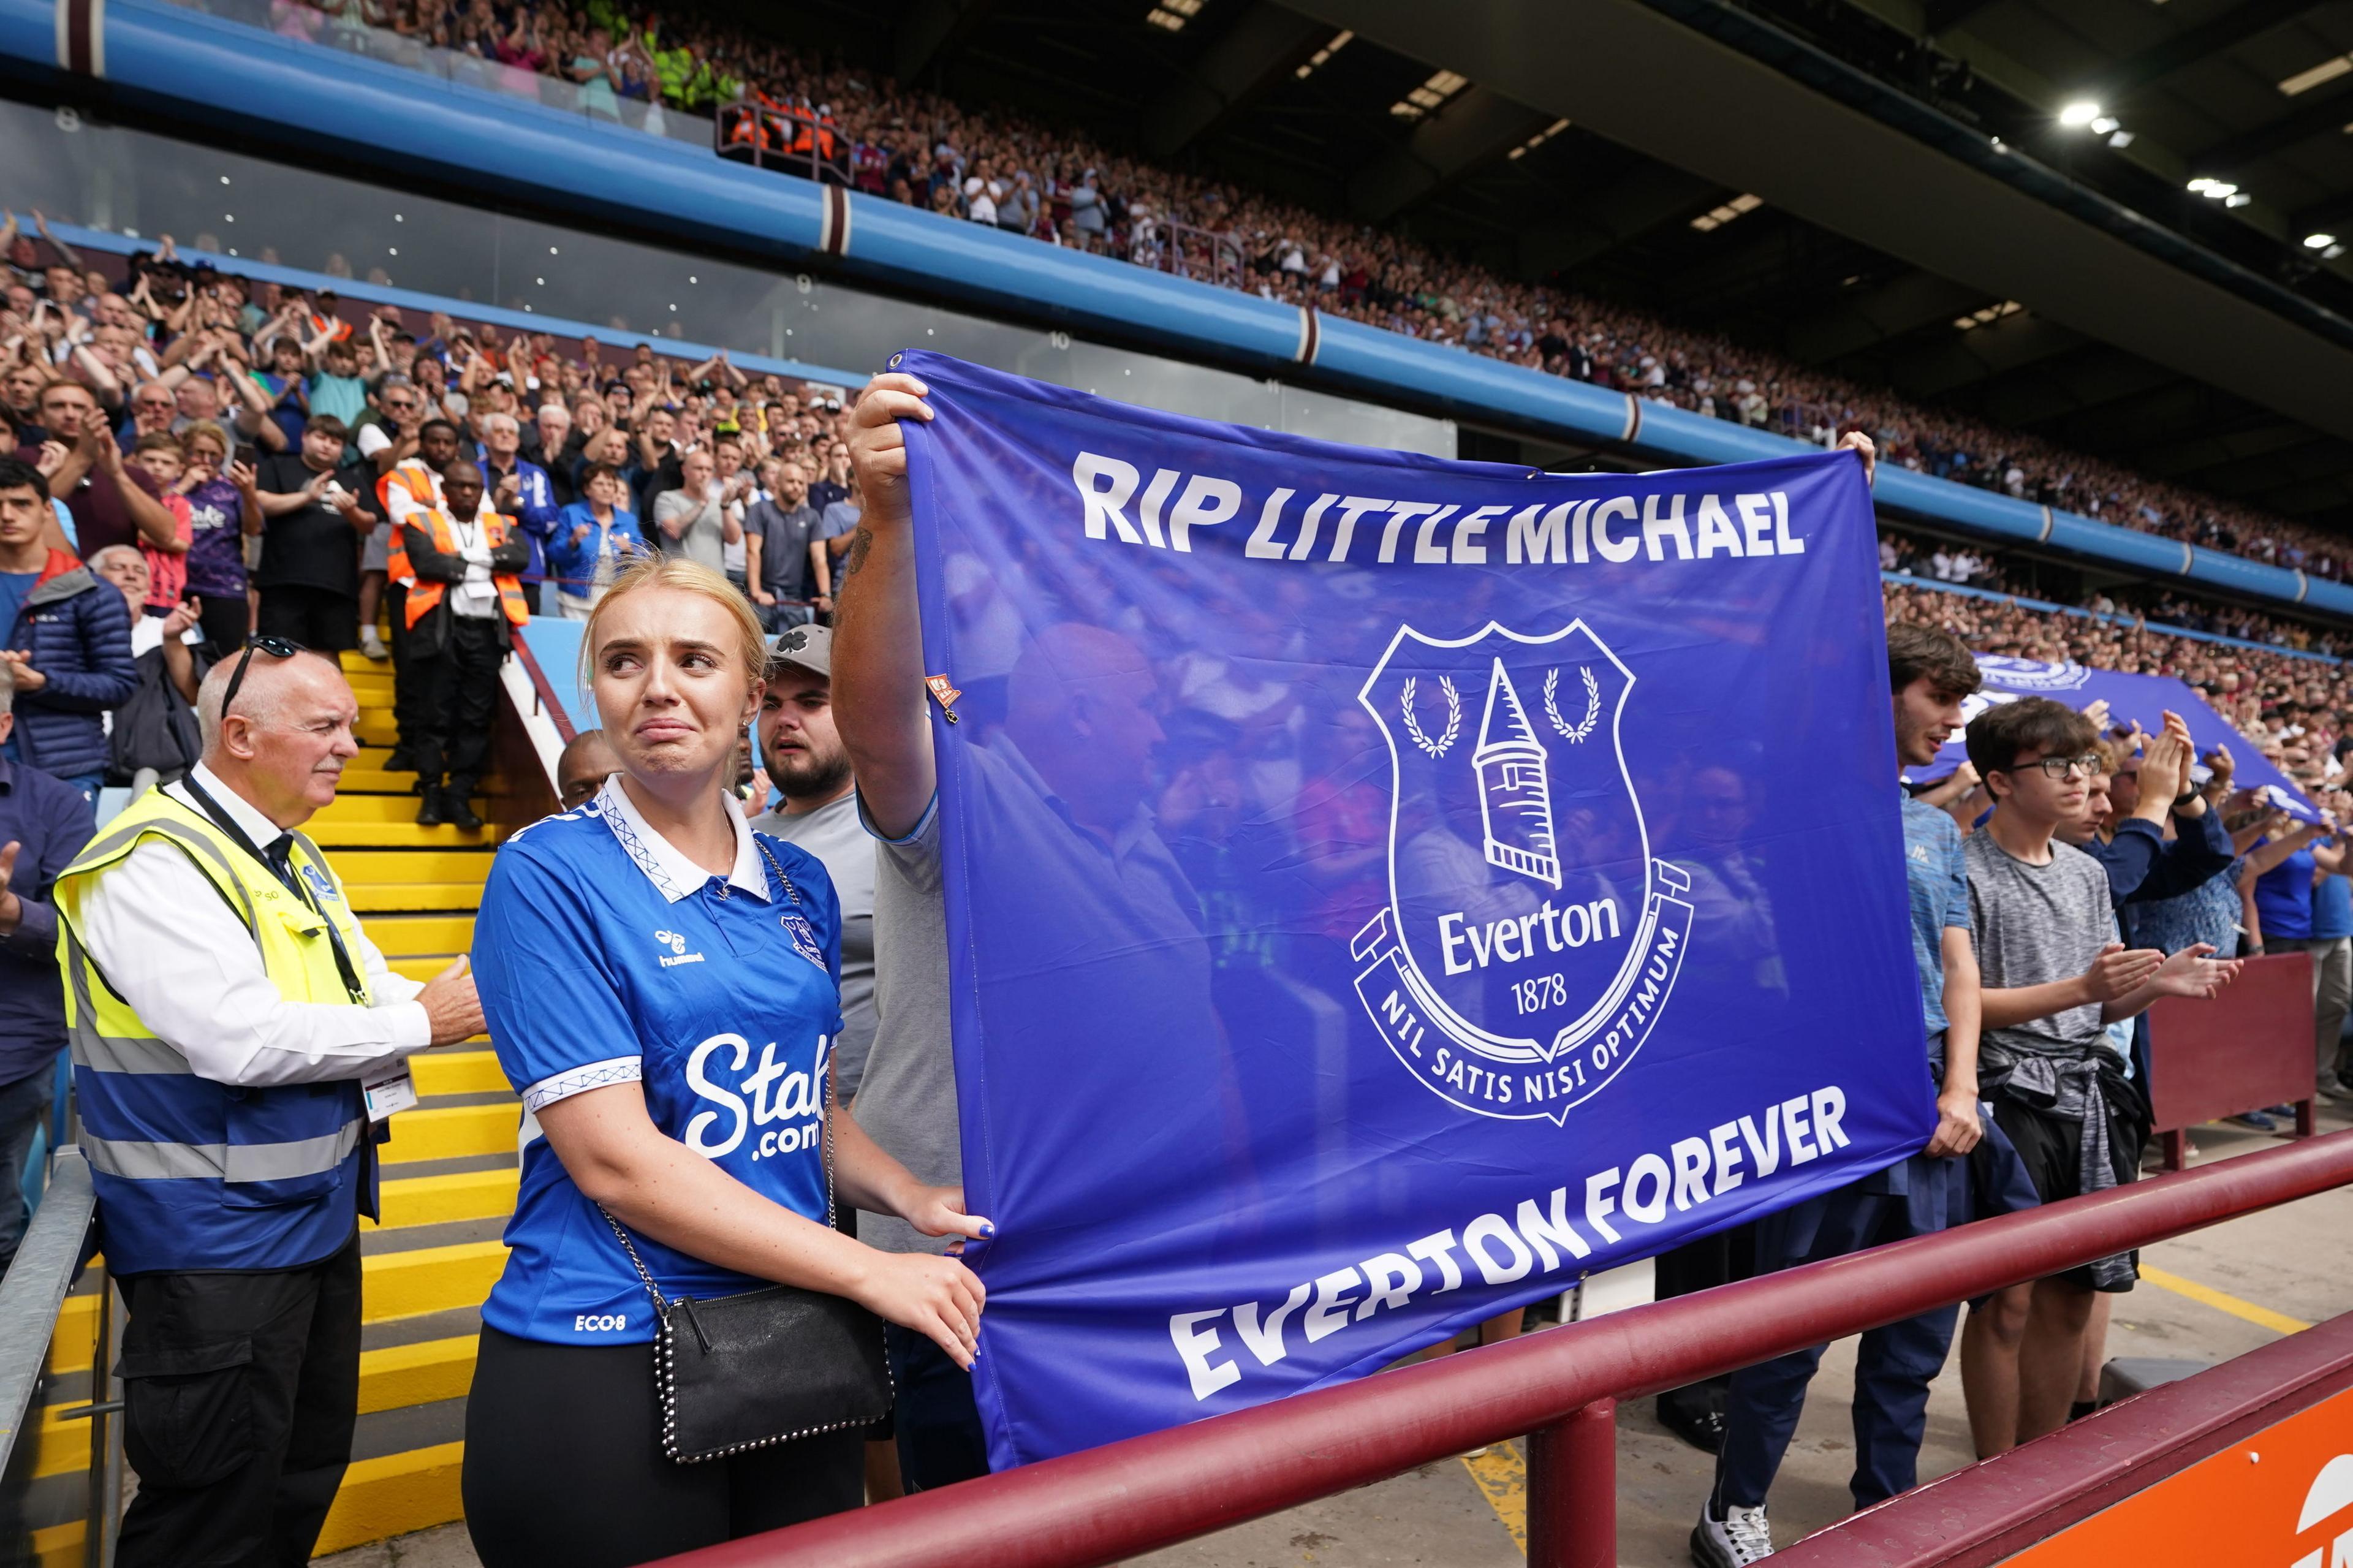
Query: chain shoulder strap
x=635, y=1261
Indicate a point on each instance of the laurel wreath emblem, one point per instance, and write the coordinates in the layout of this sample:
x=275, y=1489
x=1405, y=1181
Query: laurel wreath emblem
x=1583, y=727
x=1453, y=717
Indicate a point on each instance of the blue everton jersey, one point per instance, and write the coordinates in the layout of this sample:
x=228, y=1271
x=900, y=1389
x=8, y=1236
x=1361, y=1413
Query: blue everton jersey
x=605, y=956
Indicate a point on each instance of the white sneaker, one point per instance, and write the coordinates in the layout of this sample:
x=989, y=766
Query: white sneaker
x=1739, y=1538
x=372, y=646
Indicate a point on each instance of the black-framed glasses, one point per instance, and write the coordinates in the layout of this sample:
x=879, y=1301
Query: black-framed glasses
x=275, y=647
x=2052, y=767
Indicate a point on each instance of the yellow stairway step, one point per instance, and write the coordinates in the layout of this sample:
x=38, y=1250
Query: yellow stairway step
x=451, y=1132
x=401, y=1375
x=394, y=1495
x=388, y=897
x=338, y=837
x=376, y=728
x=75, y=1339
x=457, y=1072
x=62, y=1447
x=409, y=936
x=437, y=1200
x=354, y=662
x=365, y=774
x=428, y=1278
x=375, y=868
x=347, y=808
x=59, y=1545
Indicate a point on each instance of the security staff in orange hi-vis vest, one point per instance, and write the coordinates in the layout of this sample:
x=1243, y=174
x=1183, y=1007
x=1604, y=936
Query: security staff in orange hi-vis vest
x=460, y=613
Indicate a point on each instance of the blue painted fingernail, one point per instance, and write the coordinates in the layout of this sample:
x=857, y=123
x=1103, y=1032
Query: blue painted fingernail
x=986, y=1229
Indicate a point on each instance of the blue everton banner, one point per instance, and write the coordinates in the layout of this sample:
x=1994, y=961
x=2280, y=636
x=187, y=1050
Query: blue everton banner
x=1382, y=890
x=2143, y=699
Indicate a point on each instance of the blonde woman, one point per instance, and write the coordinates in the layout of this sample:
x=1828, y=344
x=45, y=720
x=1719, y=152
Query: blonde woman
x=664, y=987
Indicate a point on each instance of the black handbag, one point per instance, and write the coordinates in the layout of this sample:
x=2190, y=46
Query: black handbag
x=766, y=1366
x=741, y=1372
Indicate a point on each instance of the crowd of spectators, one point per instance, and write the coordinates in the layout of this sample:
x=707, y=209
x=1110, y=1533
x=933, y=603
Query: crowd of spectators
x=235, y=437
x=1061, y=186
x=253, y=453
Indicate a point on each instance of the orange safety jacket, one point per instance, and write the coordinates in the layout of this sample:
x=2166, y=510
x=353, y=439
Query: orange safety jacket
x=422, y=488
x=424, y=594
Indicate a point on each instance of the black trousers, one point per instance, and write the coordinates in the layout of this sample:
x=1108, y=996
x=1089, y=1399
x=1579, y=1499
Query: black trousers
x=460, y=681
x=565, y=1466
x=318, y=618
x=239, y=1391
x=1696, y=1266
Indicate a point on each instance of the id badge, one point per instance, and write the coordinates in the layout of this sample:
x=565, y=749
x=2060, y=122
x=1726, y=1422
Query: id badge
x=389, y=1089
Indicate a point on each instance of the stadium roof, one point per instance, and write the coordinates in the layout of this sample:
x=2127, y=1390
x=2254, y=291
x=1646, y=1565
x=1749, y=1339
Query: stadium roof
x=1847, y=181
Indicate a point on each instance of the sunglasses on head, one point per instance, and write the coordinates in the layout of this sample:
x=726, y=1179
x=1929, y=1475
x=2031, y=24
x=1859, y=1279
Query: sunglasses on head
x=275, y=647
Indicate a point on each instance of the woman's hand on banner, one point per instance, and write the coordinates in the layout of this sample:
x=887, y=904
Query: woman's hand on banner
x=937, y=1297
x=939, y=1211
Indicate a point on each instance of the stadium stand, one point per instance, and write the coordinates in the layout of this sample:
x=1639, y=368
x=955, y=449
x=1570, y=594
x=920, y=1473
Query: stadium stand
x=920, y=149
x=2277, y=677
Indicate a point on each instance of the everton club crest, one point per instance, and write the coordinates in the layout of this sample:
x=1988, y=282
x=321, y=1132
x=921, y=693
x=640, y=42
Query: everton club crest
x=1530, y=940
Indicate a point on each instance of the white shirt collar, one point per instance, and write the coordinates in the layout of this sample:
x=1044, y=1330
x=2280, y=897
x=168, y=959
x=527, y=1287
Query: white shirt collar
x=241, y=811
x=673, y=874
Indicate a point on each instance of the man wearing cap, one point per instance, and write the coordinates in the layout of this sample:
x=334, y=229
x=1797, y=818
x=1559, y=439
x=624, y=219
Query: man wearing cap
x=805, y=759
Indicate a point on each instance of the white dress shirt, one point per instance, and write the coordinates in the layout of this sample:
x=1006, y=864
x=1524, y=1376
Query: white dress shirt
x=164, y=939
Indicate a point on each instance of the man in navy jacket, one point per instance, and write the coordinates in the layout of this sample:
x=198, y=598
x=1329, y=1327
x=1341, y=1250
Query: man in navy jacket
x=68, y=641
x=44, y=823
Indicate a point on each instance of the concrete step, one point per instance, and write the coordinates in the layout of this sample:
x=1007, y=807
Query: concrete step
x=409, y=936
x=386, y=898
x=393, y=1494
x=442, y=1132
x=388, y=867
x=401, y=835
x=452, y=1071
x=391, y=1378
x=428, y=1279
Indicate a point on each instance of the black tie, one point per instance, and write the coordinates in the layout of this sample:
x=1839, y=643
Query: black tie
x=280, y=855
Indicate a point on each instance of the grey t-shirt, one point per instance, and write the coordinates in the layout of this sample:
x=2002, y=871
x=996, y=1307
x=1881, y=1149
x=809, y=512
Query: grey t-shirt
x=704, y=538
x=907, y=1100
x=784, y=533
x=2036, y=924
x=833, y=834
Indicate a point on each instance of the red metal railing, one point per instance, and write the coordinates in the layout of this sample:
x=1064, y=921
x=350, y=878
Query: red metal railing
x=1147, y=1492
x=1986, y=1513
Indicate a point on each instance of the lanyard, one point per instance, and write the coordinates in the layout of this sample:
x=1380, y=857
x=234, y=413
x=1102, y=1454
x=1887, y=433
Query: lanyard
x=292, y=880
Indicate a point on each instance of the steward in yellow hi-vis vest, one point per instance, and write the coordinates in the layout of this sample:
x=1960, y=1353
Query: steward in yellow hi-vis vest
x=237, y=1039
x=462, y=608
x=190, y=1173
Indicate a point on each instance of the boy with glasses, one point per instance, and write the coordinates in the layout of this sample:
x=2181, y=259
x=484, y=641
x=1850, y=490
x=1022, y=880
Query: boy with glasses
x=2055, y=975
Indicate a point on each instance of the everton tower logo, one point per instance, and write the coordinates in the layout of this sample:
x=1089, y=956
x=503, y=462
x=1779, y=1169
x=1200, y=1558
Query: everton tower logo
x=1530, y=940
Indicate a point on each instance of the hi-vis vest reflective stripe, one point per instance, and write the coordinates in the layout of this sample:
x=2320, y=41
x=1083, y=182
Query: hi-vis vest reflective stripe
x=418, y=488
x=190, y=1173
x=423, y=597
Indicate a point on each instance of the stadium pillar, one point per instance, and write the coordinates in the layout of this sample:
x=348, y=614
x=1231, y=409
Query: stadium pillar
x=1573, y=1490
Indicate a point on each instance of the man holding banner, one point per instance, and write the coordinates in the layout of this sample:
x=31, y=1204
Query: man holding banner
x=1631, y=966
x=1930, y=674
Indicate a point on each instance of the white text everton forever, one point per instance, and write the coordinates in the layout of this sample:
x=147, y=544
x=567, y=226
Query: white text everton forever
x=1162, y=512
x=1539, y=1236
